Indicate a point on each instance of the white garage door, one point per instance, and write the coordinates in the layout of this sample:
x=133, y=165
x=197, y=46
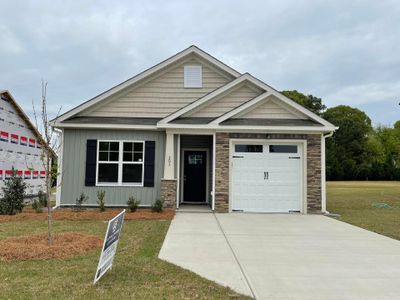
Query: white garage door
x=267, y=177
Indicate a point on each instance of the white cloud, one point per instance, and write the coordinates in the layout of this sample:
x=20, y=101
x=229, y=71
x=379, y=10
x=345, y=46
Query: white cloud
x=345, y=52
x=10, y=43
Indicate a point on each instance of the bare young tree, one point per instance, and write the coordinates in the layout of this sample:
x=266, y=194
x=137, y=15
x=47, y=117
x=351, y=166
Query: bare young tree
x=51, y=145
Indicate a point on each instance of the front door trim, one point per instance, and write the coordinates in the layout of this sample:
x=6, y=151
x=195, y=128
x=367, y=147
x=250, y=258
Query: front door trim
x=182, y=168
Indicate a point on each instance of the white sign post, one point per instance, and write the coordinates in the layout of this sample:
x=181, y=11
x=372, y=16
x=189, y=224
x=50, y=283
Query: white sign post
x=109, y=245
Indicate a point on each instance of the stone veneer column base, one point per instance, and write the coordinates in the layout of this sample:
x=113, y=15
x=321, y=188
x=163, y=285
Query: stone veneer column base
x=222, y=172
x=168, y=193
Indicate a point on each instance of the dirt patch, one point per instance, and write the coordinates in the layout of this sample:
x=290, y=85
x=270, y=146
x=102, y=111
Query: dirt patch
x=89, y=214
x=35, y=247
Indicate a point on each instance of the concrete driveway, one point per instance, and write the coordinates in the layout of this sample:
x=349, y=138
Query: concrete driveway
x=277, y=256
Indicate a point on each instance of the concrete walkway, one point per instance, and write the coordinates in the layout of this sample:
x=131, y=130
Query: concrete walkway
x=277, y=256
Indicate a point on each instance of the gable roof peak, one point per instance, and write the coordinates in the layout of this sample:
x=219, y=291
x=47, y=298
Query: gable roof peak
x=169, y=61
x=26, y=119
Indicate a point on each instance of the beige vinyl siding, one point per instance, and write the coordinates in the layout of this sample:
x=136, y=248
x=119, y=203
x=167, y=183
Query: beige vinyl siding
x=270, y=109
x=225, y=103
x=162, y=95
x=74, y=164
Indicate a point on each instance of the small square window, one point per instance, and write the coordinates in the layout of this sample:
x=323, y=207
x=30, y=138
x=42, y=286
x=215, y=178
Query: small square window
x=113, y=156
x=138, y=147
x=128, y=156
x=114, y=146
x=108, y=151
x=193, y=76
x=138, y=156
x=103, y=156
x=133, y=151
x=195, y=159
x=128, y=147
x=104, y=146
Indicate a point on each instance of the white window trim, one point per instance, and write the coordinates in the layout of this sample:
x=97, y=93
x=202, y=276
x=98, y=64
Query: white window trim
x=120, y=163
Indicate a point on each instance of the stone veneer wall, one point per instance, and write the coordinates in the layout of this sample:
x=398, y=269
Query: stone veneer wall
x=168, y=193
x=314, y=196
x=222, y=172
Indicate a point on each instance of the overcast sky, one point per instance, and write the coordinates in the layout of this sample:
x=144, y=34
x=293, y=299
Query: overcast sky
x=345, y=52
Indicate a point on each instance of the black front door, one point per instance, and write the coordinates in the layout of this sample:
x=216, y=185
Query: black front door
x=194, y=176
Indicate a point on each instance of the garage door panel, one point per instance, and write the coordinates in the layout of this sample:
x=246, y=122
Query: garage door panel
x=266, y=182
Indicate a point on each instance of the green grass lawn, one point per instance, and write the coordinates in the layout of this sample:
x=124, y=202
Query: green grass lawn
x=371, y=205
x=137, y=272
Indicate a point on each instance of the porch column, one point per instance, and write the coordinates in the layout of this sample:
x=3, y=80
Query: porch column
x=168, y=182
x=169, y=164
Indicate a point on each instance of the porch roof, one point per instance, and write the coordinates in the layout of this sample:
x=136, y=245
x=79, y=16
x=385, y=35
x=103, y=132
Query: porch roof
x=192, y=120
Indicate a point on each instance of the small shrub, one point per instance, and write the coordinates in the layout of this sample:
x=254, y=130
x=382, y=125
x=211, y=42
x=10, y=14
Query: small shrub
x=42, y=199
x=80, y=200
x=157, y=206
x=133, y=204
x=13, y=195
x=37, y=206
x=100, y=200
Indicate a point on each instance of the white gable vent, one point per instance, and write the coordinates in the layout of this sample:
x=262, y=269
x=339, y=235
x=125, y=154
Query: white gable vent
x=193, y=77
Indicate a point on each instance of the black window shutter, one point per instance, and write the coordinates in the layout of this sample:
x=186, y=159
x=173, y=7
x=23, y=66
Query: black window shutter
x=91, y=154
x=149, y=158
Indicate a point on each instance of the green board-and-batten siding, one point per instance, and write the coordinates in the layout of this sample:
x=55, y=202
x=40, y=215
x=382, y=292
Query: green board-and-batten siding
x=74, y=161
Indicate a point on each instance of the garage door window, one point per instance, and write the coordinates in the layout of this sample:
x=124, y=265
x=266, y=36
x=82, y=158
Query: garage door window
x=282, y=148
x=249, y=148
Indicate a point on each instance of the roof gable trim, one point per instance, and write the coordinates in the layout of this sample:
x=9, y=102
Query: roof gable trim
x=203, y=100
x=144, y=74
x=290, y=102
x=241, y=108
x=293, y=106
x=287, y=108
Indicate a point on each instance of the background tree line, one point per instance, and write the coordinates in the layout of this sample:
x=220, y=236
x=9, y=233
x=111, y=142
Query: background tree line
x=357, y=150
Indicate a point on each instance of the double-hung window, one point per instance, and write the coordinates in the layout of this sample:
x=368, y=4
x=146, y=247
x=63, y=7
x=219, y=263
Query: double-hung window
x=120, y=163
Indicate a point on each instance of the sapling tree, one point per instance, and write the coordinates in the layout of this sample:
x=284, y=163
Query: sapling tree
x=50, y=145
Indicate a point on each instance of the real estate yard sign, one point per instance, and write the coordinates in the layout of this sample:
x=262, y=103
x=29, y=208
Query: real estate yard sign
x=109, y=245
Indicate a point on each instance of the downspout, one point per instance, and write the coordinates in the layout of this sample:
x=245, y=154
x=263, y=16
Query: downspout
x=323, y=172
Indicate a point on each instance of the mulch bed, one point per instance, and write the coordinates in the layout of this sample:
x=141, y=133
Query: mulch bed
x=89, y=214
x=35, y=247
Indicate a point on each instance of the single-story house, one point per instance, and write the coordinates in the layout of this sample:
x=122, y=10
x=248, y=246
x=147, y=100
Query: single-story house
x=193, y=130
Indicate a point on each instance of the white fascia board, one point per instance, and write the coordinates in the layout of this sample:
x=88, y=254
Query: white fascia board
x=204, y=99
x=197, y=128
x=104, y=126
x=241, y=108
x=146, y=73
x=282, y=129
x=247, y=127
